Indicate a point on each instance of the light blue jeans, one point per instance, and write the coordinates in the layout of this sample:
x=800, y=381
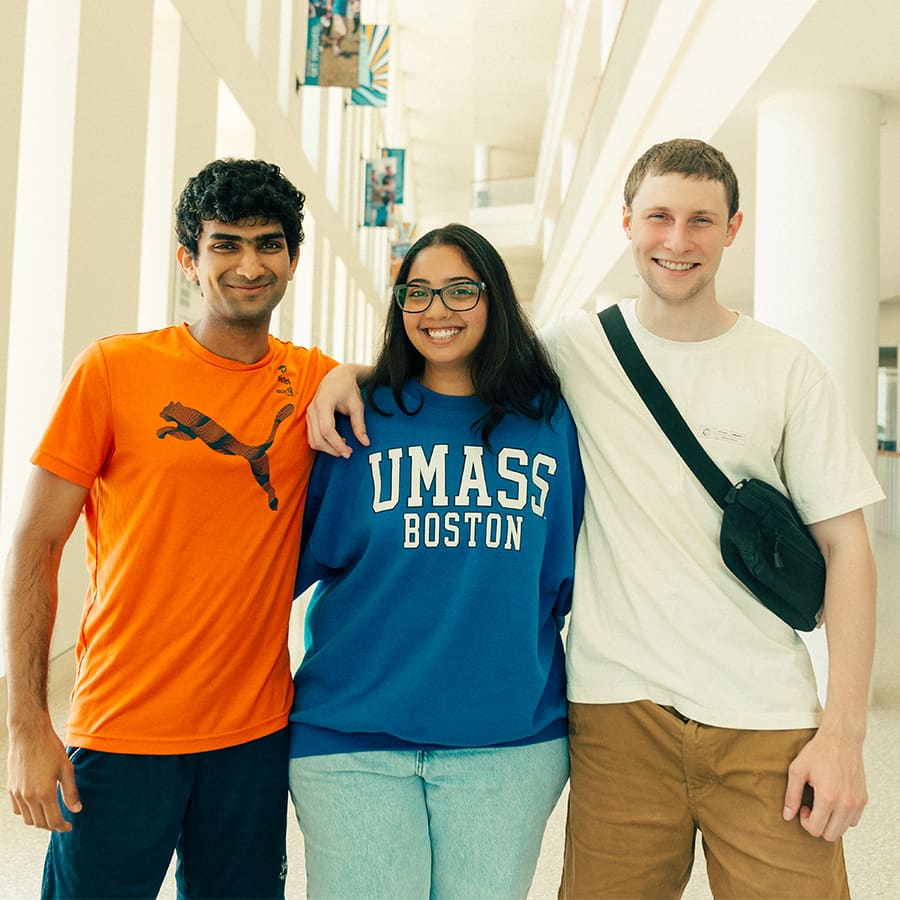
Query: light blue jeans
x=439, y=824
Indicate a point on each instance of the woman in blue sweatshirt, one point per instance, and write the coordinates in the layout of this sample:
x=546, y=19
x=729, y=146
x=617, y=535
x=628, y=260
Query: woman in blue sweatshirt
x=428, y=732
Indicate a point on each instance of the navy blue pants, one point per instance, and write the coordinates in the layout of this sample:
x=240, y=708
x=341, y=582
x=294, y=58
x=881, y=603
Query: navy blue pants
x=223, y=811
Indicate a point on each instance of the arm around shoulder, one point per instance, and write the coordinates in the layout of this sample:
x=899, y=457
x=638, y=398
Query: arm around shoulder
x=338, y=392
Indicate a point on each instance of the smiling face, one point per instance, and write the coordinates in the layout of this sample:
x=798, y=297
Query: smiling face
x=679, y=227
x=445, y=339
x=243, y=270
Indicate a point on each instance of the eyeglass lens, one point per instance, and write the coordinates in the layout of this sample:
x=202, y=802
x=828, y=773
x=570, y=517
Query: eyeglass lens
x=460, y=296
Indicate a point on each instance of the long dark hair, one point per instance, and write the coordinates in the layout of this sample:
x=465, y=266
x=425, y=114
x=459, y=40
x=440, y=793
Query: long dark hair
x=510, y=369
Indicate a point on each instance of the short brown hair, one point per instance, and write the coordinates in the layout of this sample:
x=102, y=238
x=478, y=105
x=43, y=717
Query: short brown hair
x=689, y=157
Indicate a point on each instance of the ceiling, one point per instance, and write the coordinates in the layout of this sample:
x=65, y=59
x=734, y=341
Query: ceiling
x=474, y=72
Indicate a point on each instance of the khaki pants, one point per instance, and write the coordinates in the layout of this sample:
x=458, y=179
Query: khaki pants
x=643, y=781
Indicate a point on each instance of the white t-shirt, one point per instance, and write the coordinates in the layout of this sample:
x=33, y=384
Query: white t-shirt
x=656, y=615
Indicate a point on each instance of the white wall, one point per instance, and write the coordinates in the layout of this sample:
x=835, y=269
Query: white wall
x=889, y=324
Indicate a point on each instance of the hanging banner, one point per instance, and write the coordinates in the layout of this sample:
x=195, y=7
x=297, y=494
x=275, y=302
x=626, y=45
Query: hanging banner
x=399, y=249
x=380, y=195
x=332, y=45
x=405, y=231
x=394, y=169
x=313, y=47
x=374, y=60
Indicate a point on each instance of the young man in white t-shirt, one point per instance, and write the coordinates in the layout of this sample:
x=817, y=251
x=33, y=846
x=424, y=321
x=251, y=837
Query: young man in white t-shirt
x=692, y=706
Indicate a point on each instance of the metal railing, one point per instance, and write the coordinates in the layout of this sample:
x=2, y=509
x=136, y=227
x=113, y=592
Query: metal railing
x=502, y=192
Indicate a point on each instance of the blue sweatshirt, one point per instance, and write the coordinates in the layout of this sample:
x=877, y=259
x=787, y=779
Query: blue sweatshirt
x=445, y=570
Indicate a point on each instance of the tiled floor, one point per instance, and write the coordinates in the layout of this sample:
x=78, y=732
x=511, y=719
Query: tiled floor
x=873, y=848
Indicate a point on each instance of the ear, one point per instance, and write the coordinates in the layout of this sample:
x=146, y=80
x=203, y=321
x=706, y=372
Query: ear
x=626, y=221
x=186, y=261
x=734, y=226
x=294, y=262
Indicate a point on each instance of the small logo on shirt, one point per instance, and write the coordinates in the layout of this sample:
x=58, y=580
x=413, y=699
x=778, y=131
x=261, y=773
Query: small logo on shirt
x=723, y=434
x=284, y=383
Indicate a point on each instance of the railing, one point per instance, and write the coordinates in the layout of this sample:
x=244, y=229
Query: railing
x=502, y=192
x=887, y=513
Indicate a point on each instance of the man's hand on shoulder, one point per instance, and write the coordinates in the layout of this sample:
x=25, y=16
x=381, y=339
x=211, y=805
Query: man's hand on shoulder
x=338, y=393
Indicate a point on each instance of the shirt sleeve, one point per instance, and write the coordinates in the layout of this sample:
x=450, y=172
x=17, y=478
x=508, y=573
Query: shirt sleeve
x=825, y=468
x=324, y=509
x=80, y=436
x=571, y=515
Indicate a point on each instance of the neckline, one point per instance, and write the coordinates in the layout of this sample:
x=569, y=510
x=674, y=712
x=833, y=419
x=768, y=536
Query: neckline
x=629, y=310
x=222, y=362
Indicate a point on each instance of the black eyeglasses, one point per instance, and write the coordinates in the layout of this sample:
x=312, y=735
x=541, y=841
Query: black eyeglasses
x=457, y=297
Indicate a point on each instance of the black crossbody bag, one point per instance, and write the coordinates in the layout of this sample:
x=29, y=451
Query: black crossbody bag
x=763, y=541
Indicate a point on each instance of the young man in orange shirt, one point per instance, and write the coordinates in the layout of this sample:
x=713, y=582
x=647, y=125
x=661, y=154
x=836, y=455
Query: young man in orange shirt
x=186, y=451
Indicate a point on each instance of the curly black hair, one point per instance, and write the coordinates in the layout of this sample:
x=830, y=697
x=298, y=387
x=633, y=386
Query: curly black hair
x=233, y=190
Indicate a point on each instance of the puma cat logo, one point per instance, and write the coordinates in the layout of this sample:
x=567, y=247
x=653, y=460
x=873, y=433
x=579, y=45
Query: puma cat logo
x=191, y=423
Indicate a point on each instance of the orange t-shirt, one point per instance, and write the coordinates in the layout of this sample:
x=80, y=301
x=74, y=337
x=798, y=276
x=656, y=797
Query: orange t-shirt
x=197, y=468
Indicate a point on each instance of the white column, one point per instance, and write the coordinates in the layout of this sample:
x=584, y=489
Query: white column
x=817, y=234
x=611, y=15
x=34, y=354
x=157, y=244
x=568, y=156
x=196, y=114
x=108, y=165
x=817, y=243
x=481, y=167
x=481, y=171
x=547, y=242
x=11, y=85
x=12, y=62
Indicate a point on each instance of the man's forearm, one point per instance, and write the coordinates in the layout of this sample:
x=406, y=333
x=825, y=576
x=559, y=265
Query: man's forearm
x=30, y=599
x=850, y=632
x=50, y=508
x=850, y=591
x=359, y=371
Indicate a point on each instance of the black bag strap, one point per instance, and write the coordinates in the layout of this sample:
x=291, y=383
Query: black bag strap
x=654, y=395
